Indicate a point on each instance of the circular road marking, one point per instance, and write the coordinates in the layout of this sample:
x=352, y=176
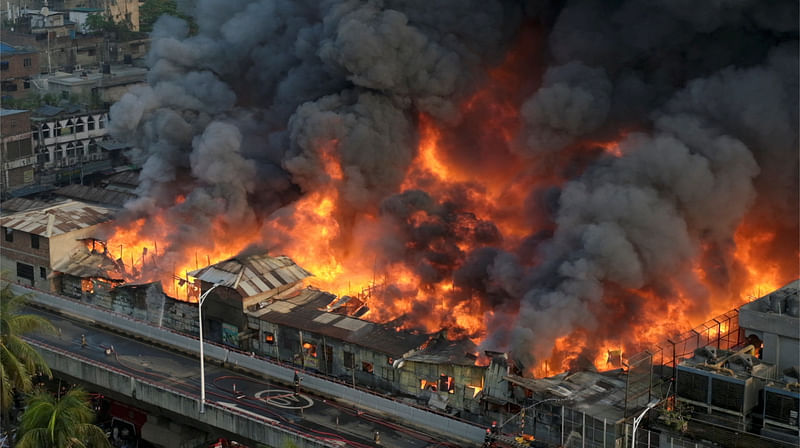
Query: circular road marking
x=285, y=399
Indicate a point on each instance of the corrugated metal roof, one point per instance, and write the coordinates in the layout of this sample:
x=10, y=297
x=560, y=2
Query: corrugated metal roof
x=94, y=194
x=20, y=204
x=306, y=312
x=253, y=275
x=125, y=178
x=85, y=264
x=57, y=219
x=441, y=350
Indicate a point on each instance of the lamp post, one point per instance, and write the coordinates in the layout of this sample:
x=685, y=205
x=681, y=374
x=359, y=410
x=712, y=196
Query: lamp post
x=637, y=420
x=202, y=359
x=529, y=407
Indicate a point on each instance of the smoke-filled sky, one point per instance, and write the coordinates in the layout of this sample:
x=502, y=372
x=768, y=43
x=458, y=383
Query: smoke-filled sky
x=697, y=101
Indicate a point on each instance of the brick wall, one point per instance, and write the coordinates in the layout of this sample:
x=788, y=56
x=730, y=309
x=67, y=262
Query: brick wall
x=22, y=65
x=15, y=124
x=20, y=250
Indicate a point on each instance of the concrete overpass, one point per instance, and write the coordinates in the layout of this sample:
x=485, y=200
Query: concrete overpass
x=228, y=413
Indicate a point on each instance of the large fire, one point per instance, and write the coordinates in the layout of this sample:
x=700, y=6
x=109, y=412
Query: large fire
x=344, y=249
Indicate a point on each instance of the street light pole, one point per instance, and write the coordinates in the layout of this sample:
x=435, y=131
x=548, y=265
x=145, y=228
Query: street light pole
x=637, y=420
x=529, y=407
x=202, y=358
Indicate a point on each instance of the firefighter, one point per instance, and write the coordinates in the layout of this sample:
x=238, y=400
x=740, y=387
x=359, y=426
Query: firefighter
x=297, y=380
x=83, y=341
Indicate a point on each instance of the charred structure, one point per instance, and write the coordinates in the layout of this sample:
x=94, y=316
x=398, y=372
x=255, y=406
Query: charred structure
x=549, y=179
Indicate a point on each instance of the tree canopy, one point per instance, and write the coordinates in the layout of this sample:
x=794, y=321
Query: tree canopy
x=18, y=360
x=60, y=422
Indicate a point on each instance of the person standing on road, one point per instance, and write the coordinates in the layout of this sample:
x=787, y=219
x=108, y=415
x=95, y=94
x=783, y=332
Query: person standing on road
x=297, y=380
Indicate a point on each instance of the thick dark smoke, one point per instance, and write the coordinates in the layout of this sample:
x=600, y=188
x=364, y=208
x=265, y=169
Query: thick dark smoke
x=244, y=117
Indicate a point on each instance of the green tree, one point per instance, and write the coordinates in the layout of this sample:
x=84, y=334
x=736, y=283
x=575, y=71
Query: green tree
x=151, y=10
x=63, y=422
x=19, y=362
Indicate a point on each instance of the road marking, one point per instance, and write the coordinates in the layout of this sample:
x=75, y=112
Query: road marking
x=245, y=411
x=285, y=399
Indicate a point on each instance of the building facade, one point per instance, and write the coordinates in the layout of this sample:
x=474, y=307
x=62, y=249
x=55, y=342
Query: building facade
x=17, y=66
x=64, y=139
x=34, y=240
x=17, y=150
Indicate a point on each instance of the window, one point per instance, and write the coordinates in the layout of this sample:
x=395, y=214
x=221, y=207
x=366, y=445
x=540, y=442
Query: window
x=4, y=65
x=309, y=349
x=446, y=383
x=34, y=241
x=25, y=271
x=46, y=131
x=102, y=123
x=26, y=62
x=9, y=234
x=12, y=122
x=349, y=360
x=90, y=123
x=269, y=338
x=78, y=125
x=367, y=367
x=42, y=272
x=26, y=84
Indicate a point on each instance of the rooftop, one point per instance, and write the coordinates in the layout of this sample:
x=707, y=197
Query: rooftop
x=740, y=364
x=48, y=111
x=779, y=302
x=598, y=394
x=6, y=49
x=93, y=194
x=20, y=204
x=89, y=264
x=118, y=76
x=306, y=311
x=441, y=350
x=7, y=112
x=57, y=219
x=254, y=274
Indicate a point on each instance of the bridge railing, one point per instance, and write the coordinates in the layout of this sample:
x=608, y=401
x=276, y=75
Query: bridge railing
x=458, y=429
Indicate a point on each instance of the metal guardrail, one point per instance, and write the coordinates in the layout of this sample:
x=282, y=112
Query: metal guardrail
x=455, y=428
x=318, y=441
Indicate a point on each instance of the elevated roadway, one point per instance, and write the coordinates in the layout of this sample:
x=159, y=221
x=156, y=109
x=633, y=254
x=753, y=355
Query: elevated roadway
x=247, y=396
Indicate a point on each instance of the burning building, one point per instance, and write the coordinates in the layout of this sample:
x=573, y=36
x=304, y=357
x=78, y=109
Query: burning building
x=35, y=240
x=553, y=180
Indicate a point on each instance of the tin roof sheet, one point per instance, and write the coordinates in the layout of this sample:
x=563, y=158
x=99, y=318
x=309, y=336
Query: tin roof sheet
x=93, y=194
x=254, y=274
x=85, y=264
x=57, y=219
x=306, y=312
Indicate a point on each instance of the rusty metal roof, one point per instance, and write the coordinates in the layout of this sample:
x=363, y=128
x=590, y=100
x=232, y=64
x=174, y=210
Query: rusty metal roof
x=441, y=350
x=94, y=194
x=55, y=220
x=307, y=311
x=85, y=264
x=253, y=275
x=20, y=204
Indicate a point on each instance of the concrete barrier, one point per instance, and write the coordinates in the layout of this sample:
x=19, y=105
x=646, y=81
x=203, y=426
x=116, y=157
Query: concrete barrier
x=457, y=430
x=242, y=423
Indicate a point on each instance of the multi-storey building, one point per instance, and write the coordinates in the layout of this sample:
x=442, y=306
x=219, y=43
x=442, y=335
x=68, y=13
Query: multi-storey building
x=17, y=66
x=34, y=240
x=17, y=150
x=68, y=137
